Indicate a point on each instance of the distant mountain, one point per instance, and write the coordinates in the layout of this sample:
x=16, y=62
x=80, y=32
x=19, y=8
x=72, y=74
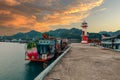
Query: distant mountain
x=29, y=35
x=73, y=33
x=108, y=34
x=94, y=36
x=66, y=33
x=105, y=33
x=58, y=32
x=116, y=33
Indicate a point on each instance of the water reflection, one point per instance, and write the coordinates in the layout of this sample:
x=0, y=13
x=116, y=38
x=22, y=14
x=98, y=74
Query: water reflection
x=45, y=65
x=33, y=69
x=13, y=65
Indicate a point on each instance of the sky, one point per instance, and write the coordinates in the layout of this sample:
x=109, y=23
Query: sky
x=44, y=15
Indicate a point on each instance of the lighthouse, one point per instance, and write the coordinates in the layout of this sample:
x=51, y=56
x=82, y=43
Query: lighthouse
x=84, y=33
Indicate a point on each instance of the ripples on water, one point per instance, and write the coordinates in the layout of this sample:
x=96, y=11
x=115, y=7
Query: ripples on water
x=13, y=65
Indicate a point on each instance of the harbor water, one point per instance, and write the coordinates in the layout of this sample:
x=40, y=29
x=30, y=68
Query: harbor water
x=13, y=65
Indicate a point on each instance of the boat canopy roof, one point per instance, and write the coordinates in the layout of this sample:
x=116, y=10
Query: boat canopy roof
x=113, y=37
x=46, y=42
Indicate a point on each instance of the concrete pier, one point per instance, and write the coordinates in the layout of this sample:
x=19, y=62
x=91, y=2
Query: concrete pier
x=84, y=62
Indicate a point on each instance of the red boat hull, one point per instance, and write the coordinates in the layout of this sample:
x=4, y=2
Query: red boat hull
x=39, y=60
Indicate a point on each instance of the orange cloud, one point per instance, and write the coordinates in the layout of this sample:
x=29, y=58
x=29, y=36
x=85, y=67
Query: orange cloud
x=41, y=14
x=73, y=14
x=63, y=19
x=29, y=22
x=6, y=12
x=11, y=2
x=83, y=7
x=102, y=9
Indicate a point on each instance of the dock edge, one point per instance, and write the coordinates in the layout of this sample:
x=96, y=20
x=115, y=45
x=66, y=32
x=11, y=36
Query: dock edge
x=42, y=75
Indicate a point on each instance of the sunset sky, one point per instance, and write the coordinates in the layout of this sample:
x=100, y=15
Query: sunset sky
x=44, y=15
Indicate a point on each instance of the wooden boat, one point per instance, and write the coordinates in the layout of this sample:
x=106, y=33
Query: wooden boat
x=44, y=49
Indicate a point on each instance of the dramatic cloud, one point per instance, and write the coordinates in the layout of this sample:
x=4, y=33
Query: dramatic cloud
x=42, y=14
x=11, y=2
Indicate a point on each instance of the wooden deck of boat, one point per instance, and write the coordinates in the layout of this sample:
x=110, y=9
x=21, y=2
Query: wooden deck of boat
x=84, y=62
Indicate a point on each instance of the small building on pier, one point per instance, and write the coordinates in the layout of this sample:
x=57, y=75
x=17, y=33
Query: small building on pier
x=111, y=42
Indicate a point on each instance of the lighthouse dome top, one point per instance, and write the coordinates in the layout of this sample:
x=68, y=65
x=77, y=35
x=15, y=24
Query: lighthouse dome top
x=84, y=24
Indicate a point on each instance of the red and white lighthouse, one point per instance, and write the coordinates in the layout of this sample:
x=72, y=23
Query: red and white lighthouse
x=84, y=33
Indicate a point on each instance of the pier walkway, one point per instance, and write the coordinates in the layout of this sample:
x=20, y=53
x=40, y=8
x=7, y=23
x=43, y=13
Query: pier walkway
x=84, y=62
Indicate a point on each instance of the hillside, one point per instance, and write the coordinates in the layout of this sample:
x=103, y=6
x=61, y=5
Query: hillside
x=73, y=33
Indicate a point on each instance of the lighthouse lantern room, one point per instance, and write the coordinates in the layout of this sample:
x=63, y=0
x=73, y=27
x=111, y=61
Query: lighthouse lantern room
x=84, y=33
